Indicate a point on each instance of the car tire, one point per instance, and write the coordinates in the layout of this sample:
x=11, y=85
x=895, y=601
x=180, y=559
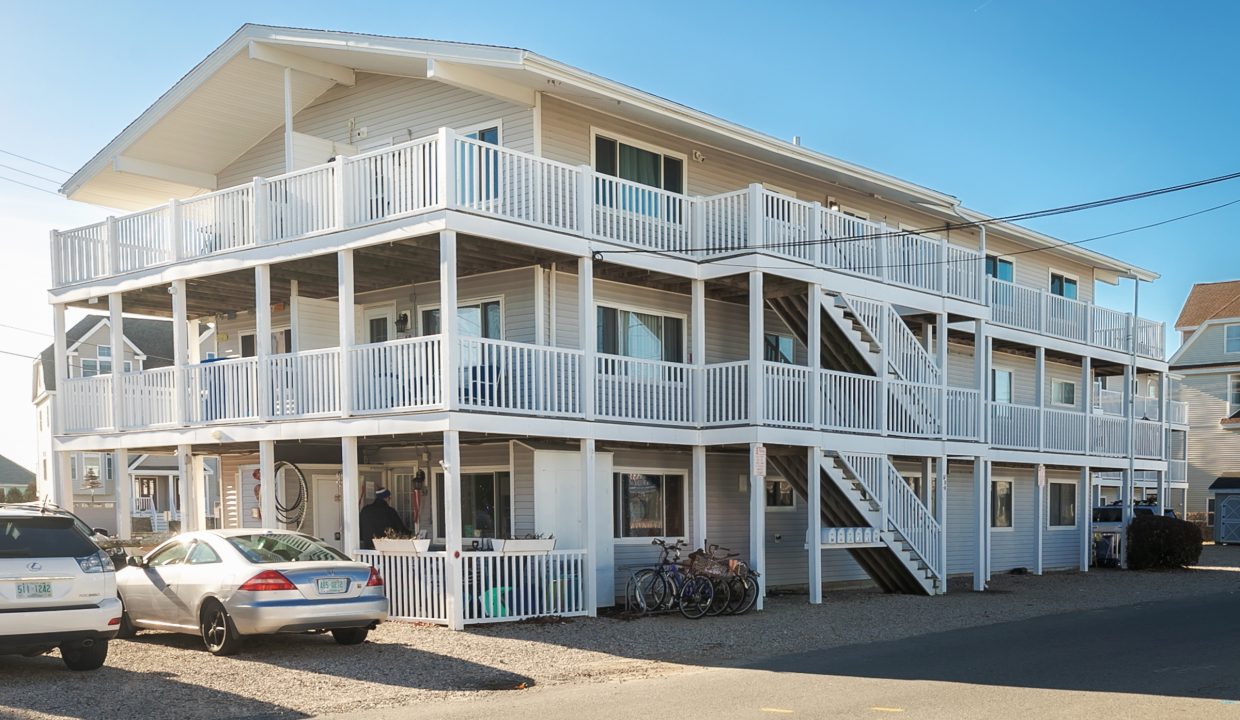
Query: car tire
x=219, y=634
x=350, y=636
x=79, y=657
x=127, y=629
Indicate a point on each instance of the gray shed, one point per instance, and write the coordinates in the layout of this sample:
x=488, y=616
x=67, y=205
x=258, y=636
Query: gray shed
x=1226, y=491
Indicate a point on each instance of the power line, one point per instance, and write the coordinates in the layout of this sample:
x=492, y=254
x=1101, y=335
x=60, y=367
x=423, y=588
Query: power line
x=36, y=162
x=32, y=187
x=33, y=175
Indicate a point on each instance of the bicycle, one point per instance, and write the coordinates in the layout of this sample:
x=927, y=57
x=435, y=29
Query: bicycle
x=657, y=588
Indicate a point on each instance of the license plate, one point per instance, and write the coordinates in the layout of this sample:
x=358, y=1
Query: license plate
x=333, y=586
x=30, y=590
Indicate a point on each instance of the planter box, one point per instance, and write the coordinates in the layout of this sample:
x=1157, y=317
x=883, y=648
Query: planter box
x=389, y=545
x=515, y=546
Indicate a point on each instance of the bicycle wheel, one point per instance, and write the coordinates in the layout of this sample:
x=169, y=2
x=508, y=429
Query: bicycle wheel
x=751, y=595
x=722, y=597
x=653, y=590
x=736, y=594
x=696, y=596
x=633, y=600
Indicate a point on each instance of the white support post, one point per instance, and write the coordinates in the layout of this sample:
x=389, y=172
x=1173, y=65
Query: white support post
x=989, y=490
x=450, y=349
x=452, y=526
x=757, y=319
x=180, y=343
x=982, y=277
x=757, y=522
x=884, y=360
x=813, y=351
x=260, y=230
x=124, y=494
x=940, y=506
x=347, y=319
x=113, y=244
x=340, y=192
x=697, y=349
x=1039, y=393
x=1039, y=514
x=940, y=358
x=294, y=321
x=699, y=495
x=350, y=496
x=1126, y=493
x=62, y=491
x=585, y=200
x=540, y=305
x=757, y=216
x=288, y=120
x=1162, y=492
x=943, y=260
x=813, y=536
x=590, y=519
x=446, y=189
x=1084, y=517
x=262, y=337
x=185, y=487
x=1087, y=392
x=980, y=481
x=198, y=477
x=60, y=354
x=587, y=332
x=981, y=373
x=267, y=482
x=116, y=322
x=176, y=230
x=816, y=235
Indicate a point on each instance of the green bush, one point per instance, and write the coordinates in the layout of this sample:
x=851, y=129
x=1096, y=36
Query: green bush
x=1162, y=542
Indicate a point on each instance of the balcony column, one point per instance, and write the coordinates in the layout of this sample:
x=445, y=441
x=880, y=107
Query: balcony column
x=981, y=361
x=1162, y=491
x=699, y=495
x=350, y=496
x=697, y=349
x=813, y=535
x=1084, y=517
x=185, y=488
x=347, y=318
x=589, y=514
x=1039, y=513
x=116, y=323
x=980, y=480
x=757, y=520
x=985, y=280
x=940, y=514
x=198, y=477
x=124, y=493
x=940, y=358
x=267, y=483
x=288, y=120
x=180, y=329
x=813, y=354
x=293, y=325
x=1126, y=492
x=1039, y=393
x=587, y=333
x=1087, y=392
x=62, y=489
x=757, y=321
x=449, y=343
x=451, y=464
x=262, y=337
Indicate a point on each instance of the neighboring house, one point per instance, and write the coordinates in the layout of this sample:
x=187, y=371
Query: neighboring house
x=1208, y=362
x=13, y=476
x=663, y=325
x=147, y=346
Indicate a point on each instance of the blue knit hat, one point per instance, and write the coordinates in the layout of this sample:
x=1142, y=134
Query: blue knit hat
x=383, y=494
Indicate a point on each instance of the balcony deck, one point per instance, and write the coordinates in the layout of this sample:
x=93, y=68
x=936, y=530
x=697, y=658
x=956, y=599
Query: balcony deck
x=446, y=171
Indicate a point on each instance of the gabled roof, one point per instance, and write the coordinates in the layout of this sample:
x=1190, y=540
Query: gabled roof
x=1209, y=301
x=1225, y=483
x=234, y=98
x=12, y=474
x=153, y=338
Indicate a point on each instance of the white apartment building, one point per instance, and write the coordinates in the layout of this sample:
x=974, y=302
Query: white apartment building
x=665, y=325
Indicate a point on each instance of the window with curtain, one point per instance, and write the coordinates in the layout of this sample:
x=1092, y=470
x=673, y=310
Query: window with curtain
x=483, y=319
x=778, y=348
x=649, y=505
x=779, y=493
x=640, y=335
x=1063, y=392
x=998, y=268
x=1001, y=504
x=1001, y=386
x=1063, y=286
x=486, y=505
x=1062, y=499
x=644, y=167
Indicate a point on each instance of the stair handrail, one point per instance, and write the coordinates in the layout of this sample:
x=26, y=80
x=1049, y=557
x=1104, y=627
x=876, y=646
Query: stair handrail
x=911, y=361
x=867, y=313
x=910, y=517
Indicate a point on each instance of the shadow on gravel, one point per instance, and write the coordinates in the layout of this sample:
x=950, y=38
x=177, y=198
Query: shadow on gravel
x=1176, y=648
x=43, y=685
x=383, y=663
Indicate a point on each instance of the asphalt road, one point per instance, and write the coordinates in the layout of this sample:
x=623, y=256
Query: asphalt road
x=1174, y=659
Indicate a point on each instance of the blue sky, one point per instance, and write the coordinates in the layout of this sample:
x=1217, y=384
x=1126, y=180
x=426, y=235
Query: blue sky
x=1010, y=106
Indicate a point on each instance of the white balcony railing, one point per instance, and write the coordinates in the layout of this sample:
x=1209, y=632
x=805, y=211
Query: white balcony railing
x=1177, y=412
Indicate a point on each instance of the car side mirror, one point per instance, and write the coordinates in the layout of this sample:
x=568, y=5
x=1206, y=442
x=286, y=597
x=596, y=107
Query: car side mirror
x=101, y=531
x=135, y=561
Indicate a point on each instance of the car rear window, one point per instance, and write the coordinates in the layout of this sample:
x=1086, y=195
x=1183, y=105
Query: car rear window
x=283, y=547
x=43, y=537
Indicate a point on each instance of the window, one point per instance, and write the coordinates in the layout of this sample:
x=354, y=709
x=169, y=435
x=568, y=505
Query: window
x=999, y=268
x=480, y=176
x=1063, y=392
x=486, y=505
x=777, y=348
x=1063, y=286
x=1210, y=512
x=170, y=555
x=377, y=330
x=1001, y=504
x=779, y=494
x=1062, y=499
x=1233, y=394
x=640, y=165
x=202, y=554
x=281, y=342
x=482, y=319
x=640, y=335
x=281, y=547
x=1231, y=339
x=1001, y=386
x=649, y=505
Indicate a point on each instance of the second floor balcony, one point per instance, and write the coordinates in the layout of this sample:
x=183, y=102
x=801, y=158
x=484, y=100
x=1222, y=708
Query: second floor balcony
x=450, y=172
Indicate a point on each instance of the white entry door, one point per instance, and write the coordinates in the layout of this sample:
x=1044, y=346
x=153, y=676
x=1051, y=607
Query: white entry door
x=558, y=509
x=328, y=521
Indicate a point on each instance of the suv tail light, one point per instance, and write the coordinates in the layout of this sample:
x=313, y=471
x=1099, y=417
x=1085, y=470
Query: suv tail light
x=100, y=562
x=375, y=579
x=268, y=580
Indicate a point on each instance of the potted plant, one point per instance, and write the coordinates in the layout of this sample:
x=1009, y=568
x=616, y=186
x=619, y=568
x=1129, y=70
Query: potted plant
x=394, y=542
x=529, y=543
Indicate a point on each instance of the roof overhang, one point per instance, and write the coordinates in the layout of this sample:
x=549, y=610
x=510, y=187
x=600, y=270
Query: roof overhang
x=234, y=99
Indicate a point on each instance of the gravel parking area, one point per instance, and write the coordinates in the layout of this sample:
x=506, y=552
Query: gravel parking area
x=160, y=674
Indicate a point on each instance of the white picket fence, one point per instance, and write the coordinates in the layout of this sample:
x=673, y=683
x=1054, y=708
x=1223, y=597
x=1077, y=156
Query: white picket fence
x=416, y=584
x=504, y=587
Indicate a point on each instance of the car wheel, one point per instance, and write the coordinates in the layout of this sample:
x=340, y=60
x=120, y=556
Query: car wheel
x=219, y=633
x=80, y=656
x=350, y=636
x=127, y=629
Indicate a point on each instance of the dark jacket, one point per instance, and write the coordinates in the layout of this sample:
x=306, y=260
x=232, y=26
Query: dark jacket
x=376, y=519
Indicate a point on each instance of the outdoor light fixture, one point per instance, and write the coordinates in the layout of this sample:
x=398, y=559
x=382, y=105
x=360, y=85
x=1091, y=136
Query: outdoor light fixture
x=402, y=322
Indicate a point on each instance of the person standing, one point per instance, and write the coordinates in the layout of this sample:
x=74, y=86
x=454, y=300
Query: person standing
x=377, y=518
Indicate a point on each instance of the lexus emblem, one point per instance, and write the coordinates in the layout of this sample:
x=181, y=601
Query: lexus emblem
x=34, y=566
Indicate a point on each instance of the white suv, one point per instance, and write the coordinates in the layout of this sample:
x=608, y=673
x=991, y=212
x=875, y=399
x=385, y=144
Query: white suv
x=57, y=588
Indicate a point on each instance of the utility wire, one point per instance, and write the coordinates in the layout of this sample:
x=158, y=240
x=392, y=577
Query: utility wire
x=32, y=187
x=25, y=172
x=36, y=162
